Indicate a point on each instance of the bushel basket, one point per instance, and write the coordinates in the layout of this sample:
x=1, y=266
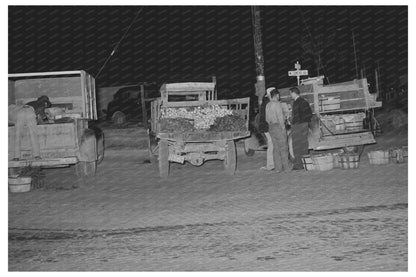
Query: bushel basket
x=349, y=161
x=323, y=162
x=379, y=157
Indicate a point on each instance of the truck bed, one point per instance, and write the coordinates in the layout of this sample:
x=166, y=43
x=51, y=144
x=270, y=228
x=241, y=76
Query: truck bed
x=240, y=105
x=58, y=140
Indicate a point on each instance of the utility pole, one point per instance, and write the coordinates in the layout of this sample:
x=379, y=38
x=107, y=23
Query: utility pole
x=258, y=54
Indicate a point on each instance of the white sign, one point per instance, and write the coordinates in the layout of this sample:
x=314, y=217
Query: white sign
x=298, y=73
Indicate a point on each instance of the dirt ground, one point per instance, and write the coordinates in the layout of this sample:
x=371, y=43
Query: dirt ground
x=127, y=218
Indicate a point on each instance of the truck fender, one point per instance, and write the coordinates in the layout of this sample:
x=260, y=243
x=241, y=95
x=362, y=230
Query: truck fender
x=88, y=146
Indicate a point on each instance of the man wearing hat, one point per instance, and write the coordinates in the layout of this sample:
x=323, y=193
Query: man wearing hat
x=29, y=116
x=264, y=128
x=275, y=117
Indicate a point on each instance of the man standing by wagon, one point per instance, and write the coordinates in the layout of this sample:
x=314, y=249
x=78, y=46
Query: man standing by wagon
x=28, y=116
x=301, y=116
x=276, y=120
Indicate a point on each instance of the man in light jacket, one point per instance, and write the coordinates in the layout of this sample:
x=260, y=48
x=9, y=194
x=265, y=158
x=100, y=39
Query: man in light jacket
x=276, y=119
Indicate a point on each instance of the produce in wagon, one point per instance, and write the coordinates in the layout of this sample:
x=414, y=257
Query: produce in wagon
x=202, y=117
x=173, y=125
x=231, y=122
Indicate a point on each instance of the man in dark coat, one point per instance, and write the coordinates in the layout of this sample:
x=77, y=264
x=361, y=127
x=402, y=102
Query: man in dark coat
x=301, y=116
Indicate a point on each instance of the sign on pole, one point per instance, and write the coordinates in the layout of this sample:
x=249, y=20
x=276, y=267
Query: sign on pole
x=298, y=72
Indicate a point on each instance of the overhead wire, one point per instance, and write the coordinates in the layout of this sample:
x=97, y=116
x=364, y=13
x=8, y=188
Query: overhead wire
x=118, y=43
x=314, y=45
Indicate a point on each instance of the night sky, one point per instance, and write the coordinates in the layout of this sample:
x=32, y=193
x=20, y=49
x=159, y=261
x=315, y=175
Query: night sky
x=174, y=44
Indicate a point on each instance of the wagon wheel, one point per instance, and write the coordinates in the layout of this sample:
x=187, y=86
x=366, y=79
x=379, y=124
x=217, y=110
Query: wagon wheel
x=86, y=169
x=163, y=158
x=230, y=160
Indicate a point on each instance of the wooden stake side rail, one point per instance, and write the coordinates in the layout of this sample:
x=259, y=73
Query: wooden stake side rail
x=353, y=95
x=202, y=103
x=203, y=136
x=44, y=162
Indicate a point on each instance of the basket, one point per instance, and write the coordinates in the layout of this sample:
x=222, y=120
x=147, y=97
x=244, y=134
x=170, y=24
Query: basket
x=336, y=159
x=323, y=162
x=20, y=184
x=399, y=155
x=349, y=161
x=307, y=163
x=379, y=157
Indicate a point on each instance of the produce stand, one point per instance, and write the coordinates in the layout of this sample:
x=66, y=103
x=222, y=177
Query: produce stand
x=343, y=114
x=64, y=141
x=341, y=111
x=185, y=141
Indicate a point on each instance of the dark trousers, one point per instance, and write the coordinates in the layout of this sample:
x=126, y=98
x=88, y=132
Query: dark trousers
x=300, y=143
x=280, y=147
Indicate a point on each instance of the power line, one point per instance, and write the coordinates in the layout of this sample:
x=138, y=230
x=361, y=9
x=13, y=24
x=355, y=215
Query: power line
x=118, y=43
x=315, y=46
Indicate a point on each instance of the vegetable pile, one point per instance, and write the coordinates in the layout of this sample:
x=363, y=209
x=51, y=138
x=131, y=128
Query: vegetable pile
x=208, y=118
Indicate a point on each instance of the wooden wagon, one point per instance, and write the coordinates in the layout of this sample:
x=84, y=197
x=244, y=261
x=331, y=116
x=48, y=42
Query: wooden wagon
x=195, y=147
x=65, y=142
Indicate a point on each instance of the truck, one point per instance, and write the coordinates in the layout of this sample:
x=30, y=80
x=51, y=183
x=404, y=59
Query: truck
x=343, y=115
x=195, y=145
x=68, y=140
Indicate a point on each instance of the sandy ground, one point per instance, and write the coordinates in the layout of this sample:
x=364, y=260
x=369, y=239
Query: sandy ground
x=127, y=218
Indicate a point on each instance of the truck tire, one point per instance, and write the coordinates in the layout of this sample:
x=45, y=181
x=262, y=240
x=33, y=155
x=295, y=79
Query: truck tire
x=119, y=118
x=230, y=160
x=163, y=158
x=86, y=169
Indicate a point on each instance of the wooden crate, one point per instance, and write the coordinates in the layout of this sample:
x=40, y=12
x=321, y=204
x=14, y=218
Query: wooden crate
x=329, y=103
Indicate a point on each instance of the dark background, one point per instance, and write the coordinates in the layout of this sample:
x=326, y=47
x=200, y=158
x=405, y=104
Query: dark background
x=173, y=44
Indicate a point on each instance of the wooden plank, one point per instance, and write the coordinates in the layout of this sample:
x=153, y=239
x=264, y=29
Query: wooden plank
x=52, y=87
x=329, y=89
x=203, y=136
x=44, y=162
x=49, y=136
x=338, y=141
x=11, y=95
x=353, y=103
x=94, y=93
x=90, y=96
x=144, y=111
x=84, y=97
x=38, y=74
x=213, y=102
